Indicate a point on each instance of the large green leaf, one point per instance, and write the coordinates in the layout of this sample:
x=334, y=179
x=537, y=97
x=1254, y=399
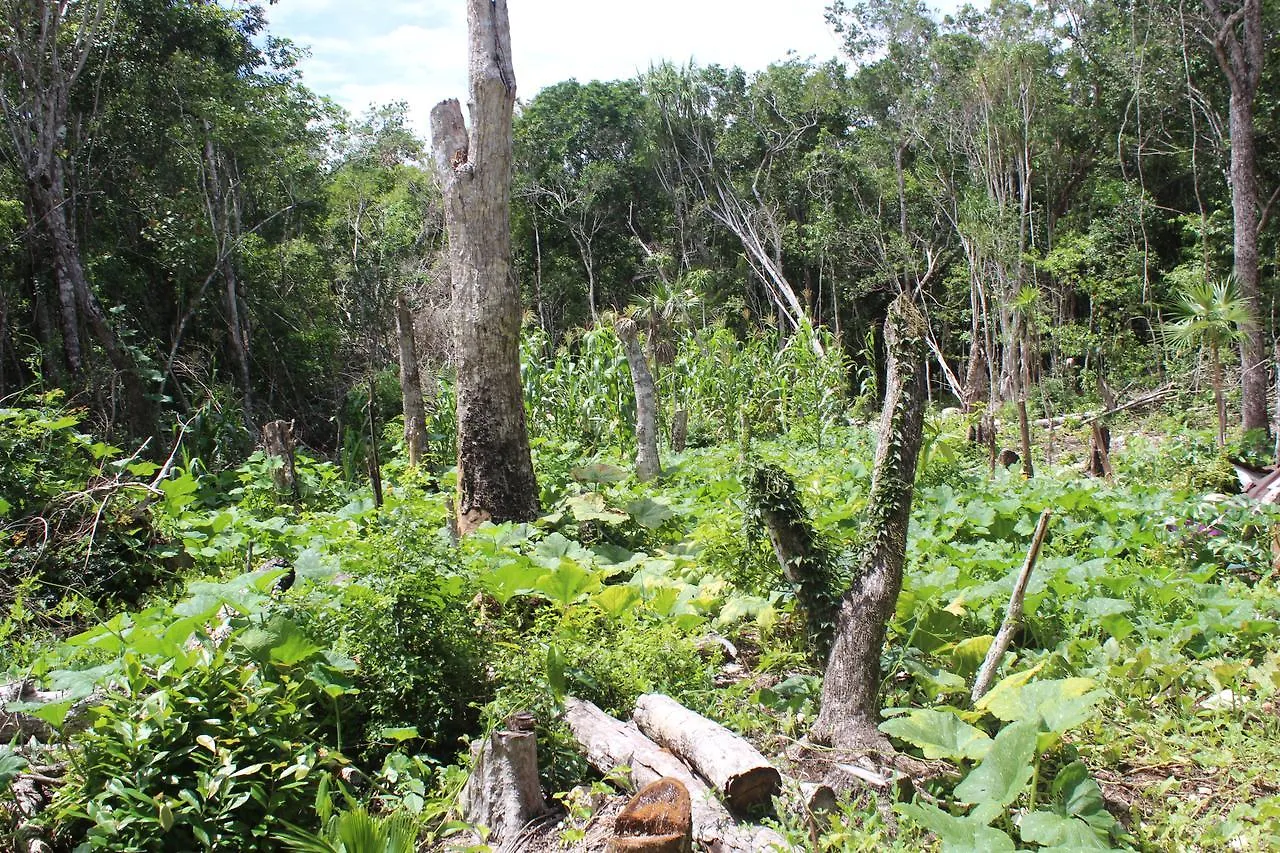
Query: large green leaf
x=567, y=582
x=591, y=507
x=940, y=734
x=1062, y=703
x=649, y=514
x=958, y=834
x=1050, y=829
x=617, y=600
x=1004, y=773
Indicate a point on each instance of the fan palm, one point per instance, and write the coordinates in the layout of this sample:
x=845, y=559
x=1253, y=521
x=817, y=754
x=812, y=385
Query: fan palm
x=1209, y=317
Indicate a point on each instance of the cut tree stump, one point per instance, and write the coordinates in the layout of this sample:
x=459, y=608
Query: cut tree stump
x=277, y=440
x=502, y=792
x=610, y=744
x=733, y=766
x=656, y=820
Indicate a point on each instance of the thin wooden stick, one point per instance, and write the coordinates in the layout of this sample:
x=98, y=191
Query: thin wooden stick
x=1013, y=618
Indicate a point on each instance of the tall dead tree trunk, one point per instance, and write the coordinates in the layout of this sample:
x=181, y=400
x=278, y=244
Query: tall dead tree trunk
x=1239, y=46
x=851, y=687
x=648, y=465
x=495, y=468
x=415, y=413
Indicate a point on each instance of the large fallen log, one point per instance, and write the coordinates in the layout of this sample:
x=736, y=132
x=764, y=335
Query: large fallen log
x=734, y=767
x=610, y=744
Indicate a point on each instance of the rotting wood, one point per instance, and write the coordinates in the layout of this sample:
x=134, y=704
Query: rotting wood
x=610, y=743
x=1099, y=452
x=656, y=820
x=502, y=792
x=1013, y=617
x=732, y=765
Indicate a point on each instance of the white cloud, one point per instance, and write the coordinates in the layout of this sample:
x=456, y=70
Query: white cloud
x=363, y=52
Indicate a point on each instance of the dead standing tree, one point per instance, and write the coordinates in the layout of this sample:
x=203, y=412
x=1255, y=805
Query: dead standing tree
x=495, y=469
x=851, y=687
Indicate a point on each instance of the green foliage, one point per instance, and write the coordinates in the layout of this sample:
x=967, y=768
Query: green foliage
x=211, y=731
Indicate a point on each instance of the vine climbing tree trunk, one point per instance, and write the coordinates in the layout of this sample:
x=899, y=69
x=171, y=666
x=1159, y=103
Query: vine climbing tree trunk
x=851, y=687
x=495, y=468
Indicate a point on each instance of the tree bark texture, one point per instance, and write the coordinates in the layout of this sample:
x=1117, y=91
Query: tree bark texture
x=850, y=690
x=610, y=744
x=502, y=792
x=415, y=412
x=1239, y=46
x=738, y=771
x=648, y=464
x=495, y=468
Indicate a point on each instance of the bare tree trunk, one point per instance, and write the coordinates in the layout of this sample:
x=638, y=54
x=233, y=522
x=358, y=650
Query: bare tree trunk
x=851, y=687
x=648, y=465
x=415, y=413
x=277, y=441
x=225, y=226
x=495, y=468
x=1238, y=43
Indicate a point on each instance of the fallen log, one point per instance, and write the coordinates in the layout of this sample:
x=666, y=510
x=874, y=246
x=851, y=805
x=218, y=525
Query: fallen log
x=734, y=767
x=610, y=743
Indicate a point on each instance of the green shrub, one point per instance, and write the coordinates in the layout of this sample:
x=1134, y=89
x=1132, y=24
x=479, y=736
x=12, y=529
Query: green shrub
x=214, y=752
x=421, y=657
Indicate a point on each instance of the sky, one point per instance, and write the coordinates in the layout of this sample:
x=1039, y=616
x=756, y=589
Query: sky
x=365, y=53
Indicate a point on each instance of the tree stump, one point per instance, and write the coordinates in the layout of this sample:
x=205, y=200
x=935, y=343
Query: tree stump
x=679, y=430
x=502, y=792
x=277, y=440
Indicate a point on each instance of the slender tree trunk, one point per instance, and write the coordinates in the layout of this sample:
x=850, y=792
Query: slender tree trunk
x=1219, y=399
x=648, y=465
x=495, y=468
x=415, y=413
x=851, y=688
x=1238, y=43
x=225, y=226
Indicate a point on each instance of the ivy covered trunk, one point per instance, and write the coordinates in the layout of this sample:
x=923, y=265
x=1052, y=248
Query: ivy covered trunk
x=495, y=469
x=851, y=687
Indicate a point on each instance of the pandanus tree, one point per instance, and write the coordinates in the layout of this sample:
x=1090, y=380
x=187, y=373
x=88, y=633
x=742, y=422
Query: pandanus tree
x=1210, y=316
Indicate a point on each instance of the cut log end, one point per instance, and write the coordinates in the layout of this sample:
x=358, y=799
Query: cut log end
x=753, y=789
x=658, y=819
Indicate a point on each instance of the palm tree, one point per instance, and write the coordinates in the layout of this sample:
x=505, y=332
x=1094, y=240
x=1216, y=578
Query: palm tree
x=1210, y=315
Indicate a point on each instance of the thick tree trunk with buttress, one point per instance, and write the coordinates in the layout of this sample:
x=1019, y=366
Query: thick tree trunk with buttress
x=851, y=687
x=415, y=413
x=495, y=468
x=648, y=465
